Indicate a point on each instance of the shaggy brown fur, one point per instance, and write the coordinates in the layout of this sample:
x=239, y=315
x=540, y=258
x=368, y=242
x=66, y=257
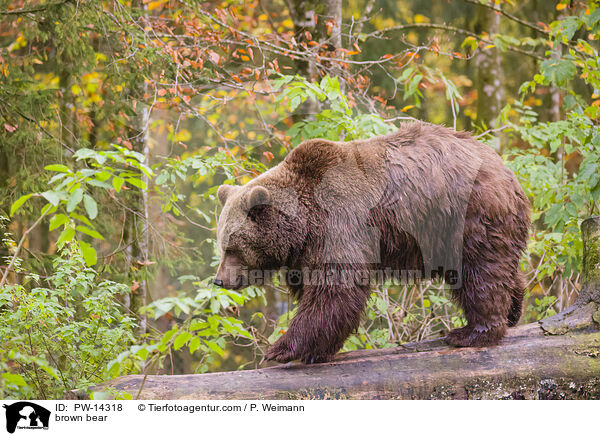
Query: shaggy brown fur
x=424, y=198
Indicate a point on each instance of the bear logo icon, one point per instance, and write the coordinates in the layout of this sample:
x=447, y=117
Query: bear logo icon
x=24, y=414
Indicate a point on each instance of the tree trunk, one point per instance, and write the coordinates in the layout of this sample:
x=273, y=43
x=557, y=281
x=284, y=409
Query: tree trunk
x=318, y=21
x=490, y=93
x=4, y=204
x=527, y=364
x=138, y=218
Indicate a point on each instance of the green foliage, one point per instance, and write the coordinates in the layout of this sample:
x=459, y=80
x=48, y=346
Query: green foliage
x=540, y=308
x=408, y=313
x=337, y=121
x=69, y=194
x=561, y=194
x=58, y=334
x=205, y=324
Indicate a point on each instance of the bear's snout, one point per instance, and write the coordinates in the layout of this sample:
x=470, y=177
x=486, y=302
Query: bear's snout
x=231, y=273
x=236, y=283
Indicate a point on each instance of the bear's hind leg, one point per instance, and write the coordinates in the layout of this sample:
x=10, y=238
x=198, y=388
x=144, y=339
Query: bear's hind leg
x=486, y=302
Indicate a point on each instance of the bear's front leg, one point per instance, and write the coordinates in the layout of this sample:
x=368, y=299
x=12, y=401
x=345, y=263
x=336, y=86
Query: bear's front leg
x=326, y=317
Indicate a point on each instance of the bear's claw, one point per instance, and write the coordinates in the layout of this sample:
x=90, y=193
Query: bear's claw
x=475, y=336
x=281, y=352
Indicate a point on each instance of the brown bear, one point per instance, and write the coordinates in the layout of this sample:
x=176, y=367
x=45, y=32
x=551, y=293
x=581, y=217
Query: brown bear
x=425, y=200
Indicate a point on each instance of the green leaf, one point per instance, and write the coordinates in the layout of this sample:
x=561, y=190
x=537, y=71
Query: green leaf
x=382, y=305
x=566, y=27
x=162, y=178
x=90, y=232
x=52, y=197
x=214, y=305
x=215, y=348
x=197, y=325
x=99, y=184
x=137, y=183
x=49, y=370
x=100, y=396
x=14, y=379
x=103, y=176
x=558, y=71
x=81, y=218
x=89, y=253
x=91, y=207
x=47, y=209
x=295, y=102
x=84, y=153
x=58, y=168
x=194, y=344
x=58, y=220
x=56, y=177
x=67, y=235
x=20, y=201
x=162, y=306
x=406, y=72
x=74, y=199
x=283, y=80
x=140, y=351
x=117, y=183
x=181, y=340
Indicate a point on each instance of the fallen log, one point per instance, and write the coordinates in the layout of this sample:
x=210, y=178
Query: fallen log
x=527, y=364
x=558, y=358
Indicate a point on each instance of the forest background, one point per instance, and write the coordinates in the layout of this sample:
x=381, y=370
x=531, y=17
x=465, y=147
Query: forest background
x=119, y=120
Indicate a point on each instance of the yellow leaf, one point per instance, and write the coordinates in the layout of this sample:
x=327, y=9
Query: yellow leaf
x=421, y=19
x=489, y=46
x=287, y=23
x=561, y=6
x=183, y=135
x=537, y=290
x=155, y=4
x=75, y=89
x=262, y=17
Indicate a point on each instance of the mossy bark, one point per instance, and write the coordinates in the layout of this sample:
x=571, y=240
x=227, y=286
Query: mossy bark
x=584, y=314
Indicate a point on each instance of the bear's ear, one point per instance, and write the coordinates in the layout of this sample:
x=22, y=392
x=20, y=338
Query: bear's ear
x=225, y=191
x=258, y=195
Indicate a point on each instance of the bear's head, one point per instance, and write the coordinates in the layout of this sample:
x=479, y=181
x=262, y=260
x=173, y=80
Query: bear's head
x=259, y=230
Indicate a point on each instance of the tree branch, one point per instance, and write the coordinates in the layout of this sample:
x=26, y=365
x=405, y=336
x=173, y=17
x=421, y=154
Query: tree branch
x=18, y=249
x=509, y=16
x=40, y=8
x=379, y=33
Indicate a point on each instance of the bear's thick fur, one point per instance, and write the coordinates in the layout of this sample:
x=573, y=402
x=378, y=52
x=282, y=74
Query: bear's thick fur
x=424, y=199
